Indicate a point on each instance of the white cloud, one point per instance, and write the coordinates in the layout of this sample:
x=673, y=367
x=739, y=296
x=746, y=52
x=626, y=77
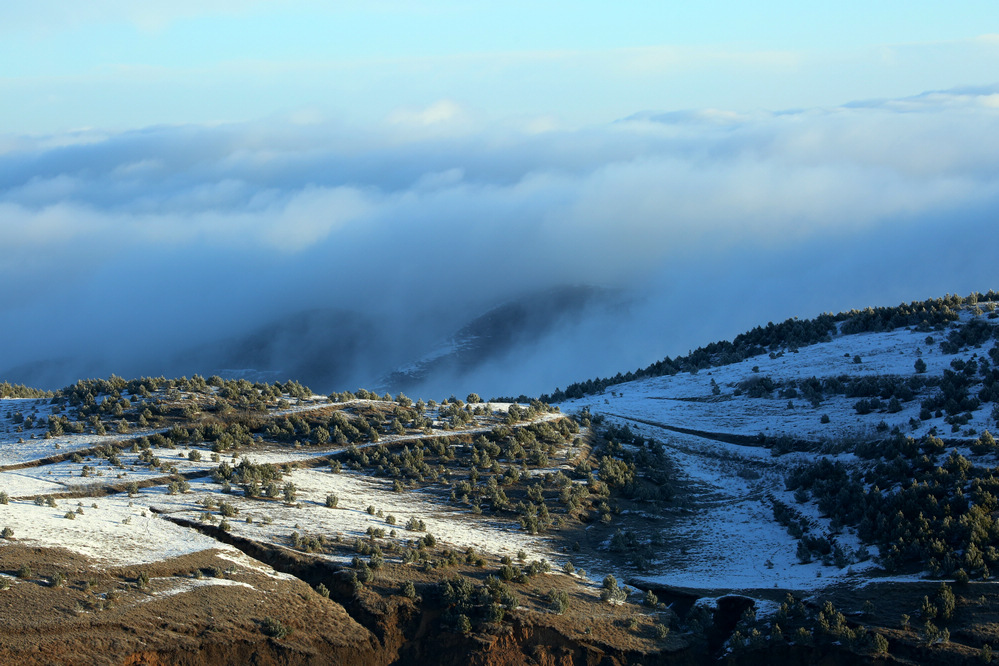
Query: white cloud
x=312, y=215
x=443, y=116
x=406, y=220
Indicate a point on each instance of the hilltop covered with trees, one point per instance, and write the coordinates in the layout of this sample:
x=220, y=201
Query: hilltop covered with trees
x=928, y=315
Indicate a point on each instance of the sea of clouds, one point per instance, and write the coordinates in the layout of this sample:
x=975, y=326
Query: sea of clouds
x=120, y=250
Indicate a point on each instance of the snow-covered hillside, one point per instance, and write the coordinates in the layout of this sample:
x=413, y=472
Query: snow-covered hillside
x=686, y=399
x=733, y=448
x=824, y=465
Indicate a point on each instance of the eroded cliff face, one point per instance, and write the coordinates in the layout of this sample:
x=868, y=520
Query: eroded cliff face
x=189, y=611
x=405, y=631
x=521, y=643
x=392, y=629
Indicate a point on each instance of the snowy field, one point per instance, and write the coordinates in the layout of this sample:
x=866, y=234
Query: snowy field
x=731, y=540
x=274, y=521
x=127, y=530
x=119, y=532
x=685, y=400
x=722, y=538
x=17, y=448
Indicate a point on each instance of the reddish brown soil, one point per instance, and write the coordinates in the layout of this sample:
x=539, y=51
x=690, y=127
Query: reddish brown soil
x=77, y=622
x=211, y=624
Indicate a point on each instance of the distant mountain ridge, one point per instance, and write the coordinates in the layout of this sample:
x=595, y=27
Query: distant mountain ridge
x=318, y=347
x=331, y=349
x=498, y=332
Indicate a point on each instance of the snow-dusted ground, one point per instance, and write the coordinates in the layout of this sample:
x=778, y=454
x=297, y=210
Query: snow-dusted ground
x=21, y=447
x=728, y=541
x=68, y=476
x=175, y=585
x=350, y=520
x=103, y=534
x=685, y=400
x=731, y=540
x=356, y=492
x=124, y=530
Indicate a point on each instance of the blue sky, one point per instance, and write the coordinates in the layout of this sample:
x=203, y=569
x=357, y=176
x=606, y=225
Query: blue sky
x=209, y=165
x=114, y=65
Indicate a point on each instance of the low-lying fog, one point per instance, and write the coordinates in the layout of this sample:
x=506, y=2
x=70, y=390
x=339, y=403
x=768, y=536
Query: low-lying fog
x=161, y=251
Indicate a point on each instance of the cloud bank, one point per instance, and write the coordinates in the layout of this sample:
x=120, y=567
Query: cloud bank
x=127, y=247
